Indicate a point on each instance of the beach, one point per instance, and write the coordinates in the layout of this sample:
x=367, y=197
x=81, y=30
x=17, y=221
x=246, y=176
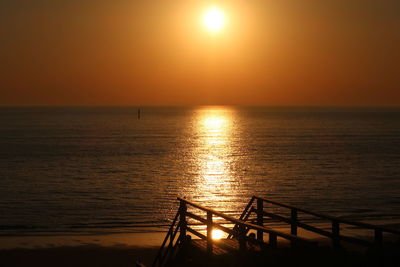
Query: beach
x=81, y=250
x=241, y=131
x=97, y=183
x=125, y=249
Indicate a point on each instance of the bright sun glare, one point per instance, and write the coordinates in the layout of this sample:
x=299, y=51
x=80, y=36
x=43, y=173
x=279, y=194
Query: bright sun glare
x=214, y=123
x=214, y=20
x=217, y=234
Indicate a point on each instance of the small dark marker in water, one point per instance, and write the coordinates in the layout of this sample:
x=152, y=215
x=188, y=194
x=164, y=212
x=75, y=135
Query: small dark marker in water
x=138, y=113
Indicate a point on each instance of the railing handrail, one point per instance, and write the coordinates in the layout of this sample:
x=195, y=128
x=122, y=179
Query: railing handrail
x=246, y=209
x=160, y=257
x=246, y=212
x=331, y=218
x=246, y=224
x=242, y=226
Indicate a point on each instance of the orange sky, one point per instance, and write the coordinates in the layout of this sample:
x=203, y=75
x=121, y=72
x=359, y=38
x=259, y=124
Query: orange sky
x=311, y=52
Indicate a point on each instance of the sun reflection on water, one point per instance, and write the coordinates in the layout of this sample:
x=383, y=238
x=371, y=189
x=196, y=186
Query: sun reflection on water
x=215, y=183
x=214, y=123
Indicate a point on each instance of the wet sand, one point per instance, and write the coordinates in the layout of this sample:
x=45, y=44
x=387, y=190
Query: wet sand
x=122, y=249
x=80, y=250
x=68, y=240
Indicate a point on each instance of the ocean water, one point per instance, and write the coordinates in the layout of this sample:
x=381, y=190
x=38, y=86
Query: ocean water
x=102, y=170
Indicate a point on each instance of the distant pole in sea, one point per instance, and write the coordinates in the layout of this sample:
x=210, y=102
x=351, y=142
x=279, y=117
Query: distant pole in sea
x=138, y=113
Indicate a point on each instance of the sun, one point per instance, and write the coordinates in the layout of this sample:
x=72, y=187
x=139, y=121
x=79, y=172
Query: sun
x=214, y=20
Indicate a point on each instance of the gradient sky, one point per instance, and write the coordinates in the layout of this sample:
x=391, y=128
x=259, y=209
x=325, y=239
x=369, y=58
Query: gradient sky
x=120, y=52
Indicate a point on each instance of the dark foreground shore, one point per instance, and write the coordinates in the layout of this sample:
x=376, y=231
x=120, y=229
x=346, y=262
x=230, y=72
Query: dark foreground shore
x=118, y=256
x=97, y=256
x=126, y=249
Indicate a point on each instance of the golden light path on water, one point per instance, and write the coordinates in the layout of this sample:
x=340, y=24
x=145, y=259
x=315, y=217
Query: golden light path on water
x=216, y=186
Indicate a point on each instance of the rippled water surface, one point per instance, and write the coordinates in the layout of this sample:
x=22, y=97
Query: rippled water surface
x=101, y=169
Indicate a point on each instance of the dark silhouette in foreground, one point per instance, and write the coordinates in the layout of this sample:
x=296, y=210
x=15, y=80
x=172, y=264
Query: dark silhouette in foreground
x=251, y=242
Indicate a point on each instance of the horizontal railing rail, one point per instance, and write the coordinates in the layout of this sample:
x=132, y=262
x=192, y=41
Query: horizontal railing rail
x=332, y=218
x=334, y=234
x=240, y=229
x=213, y=219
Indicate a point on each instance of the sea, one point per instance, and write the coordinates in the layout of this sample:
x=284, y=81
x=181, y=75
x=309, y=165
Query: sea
x=84, y=170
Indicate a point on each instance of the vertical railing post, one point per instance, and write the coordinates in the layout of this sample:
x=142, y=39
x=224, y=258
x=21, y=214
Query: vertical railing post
x=293, y=218
x=242, y=238
x=260, y=218
x=182, y=219
x=293, y=225
x=378, y=238
x=273, y=240
x=209, y=232
x=335, y=234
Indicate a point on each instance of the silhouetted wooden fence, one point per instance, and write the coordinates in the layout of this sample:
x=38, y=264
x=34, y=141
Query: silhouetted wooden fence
x=177, y=233
x=295, y=222
x=171, y=243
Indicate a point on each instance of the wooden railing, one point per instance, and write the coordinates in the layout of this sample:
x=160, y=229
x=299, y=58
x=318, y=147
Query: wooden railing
x=167, y=251
x=241, y=228
x=296, y=223
x=245, y=224
x=239, y=231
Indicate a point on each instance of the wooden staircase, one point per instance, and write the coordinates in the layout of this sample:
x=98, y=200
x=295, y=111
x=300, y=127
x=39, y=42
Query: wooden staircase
x=249, y=237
